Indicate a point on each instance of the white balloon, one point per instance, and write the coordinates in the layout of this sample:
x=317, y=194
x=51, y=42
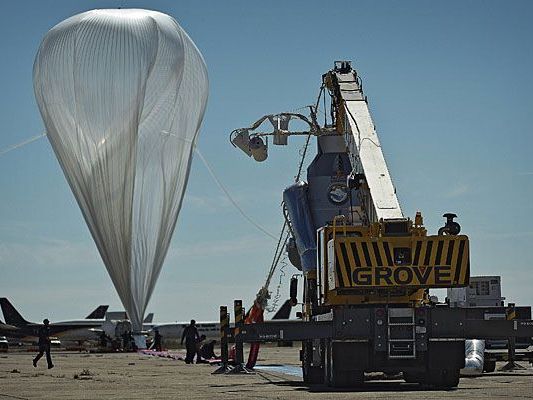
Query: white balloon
x=122, y=94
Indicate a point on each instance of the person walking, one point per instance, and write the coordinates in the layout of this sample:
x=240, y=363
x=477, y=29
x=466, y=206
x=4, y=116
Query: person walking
x=44, y=344
x=190, y=335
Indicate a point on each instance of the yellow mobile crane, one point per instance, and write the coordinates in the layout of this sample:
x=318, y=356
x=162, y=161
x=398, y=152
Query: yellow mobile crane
x=367, y=268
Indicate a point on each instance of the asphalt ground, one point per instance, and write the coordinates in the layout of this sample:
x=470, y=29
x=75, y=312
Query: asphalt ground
x=135, y=376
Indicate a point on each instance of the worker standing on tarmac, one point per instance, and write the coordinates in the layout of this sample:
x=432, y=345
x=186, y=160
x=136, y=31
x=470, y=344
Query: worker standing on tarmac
x=126, y=342
x=190, y=335
x=103, y=340
x=157, y=340
x=44, y=344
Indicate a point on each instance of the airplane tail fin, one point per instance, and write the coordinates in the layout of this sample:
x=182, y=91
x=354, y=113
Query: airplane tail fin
x=11, y=315
x=149, y=318
x=98, y=313
x=284, y=311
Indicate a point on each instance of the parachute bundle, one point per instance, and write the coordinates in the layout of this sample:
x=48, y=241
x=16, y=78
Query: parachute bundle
x=122, y=94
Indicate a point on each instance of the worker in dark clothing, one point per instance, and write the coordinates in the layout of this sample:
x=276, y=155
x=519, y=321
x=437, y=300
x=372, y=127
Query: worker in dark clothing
x=126, y=342
x=207, y=351
x=190, y=335
x=44, y=345
x=199, y=343
x=157, y=340
x=133, y=344
x=104, y=339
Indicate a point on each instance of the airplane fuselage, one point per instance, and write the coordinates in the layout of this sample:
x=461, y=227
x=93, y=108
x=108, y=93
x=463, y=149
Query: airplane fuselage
x=174, y=330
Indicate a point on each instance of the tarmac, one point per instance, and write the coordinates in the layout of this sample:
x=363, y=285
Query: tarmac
x=137, y=376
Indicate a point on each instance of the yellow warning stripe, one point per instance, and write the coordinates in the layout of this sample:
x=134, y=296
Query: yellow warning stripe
x=444, y=252
x=432, y=255
x=373, y=260
x=465, y=262
x=362, y=257
x=351, y=260
x=382, y=254
x=454, y=262
x=343, y=267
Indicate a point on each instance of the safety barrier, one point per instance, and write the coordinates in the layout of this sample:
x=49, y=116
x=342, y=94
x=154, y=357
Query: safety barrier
x=236, y=333
x=224, y=328
x=510, y=315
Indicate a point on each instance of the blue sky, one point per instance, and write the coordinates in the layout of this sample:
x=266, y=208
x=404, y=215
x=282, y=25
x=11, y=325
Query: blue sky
x=449, y=85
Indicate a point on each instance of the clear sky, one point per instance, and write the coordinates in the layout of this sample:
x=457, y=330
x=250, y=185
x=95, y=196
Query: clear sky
x=450, y=89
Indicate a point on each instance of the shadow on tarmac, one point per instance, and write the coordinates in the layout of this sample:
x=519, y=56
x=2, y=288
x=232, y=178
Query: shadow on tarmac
x=271, y=373
x=266, y=371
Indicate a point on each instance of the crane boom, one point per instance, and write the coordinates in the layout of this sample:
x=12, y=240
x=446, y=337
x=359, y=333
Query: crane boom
x=364, y=148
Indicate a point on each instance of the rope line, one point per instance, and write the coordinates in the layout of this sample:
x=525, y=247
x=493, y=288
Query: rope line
x=21, y=144
x=284, y=235
x=230, y=197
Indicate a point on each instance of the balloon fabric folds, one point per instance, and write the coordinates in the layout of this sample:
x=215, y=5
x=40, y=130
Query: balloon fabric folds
x=122, y=94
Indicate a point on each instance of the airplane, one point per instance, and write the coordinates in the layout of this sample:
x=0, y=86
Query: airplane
x=98, y=313
x=16, y=327
x=6, y=328
x=112, y=323
x=211, y=329
x=148, y=321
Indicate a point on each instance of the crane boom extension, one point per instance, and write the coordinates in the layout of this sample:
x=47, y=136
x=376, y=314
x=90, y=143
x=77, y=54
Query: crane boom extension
x=364, y=148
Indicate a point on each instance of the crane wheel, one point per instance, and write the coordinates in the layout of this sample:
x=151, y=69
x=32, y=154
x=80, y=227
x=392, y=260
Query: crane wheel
x=312, y=374
x=443, y=378
x=489, y=366
x=414, y=377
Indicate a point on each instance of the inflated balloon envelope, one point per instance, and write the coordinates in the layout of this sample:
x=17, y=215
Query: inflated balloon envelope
x=122, y=93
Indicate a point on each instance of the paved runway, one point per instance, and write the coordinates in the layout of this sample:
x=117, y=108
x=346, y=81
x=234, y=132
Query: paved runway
x=136, y=376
